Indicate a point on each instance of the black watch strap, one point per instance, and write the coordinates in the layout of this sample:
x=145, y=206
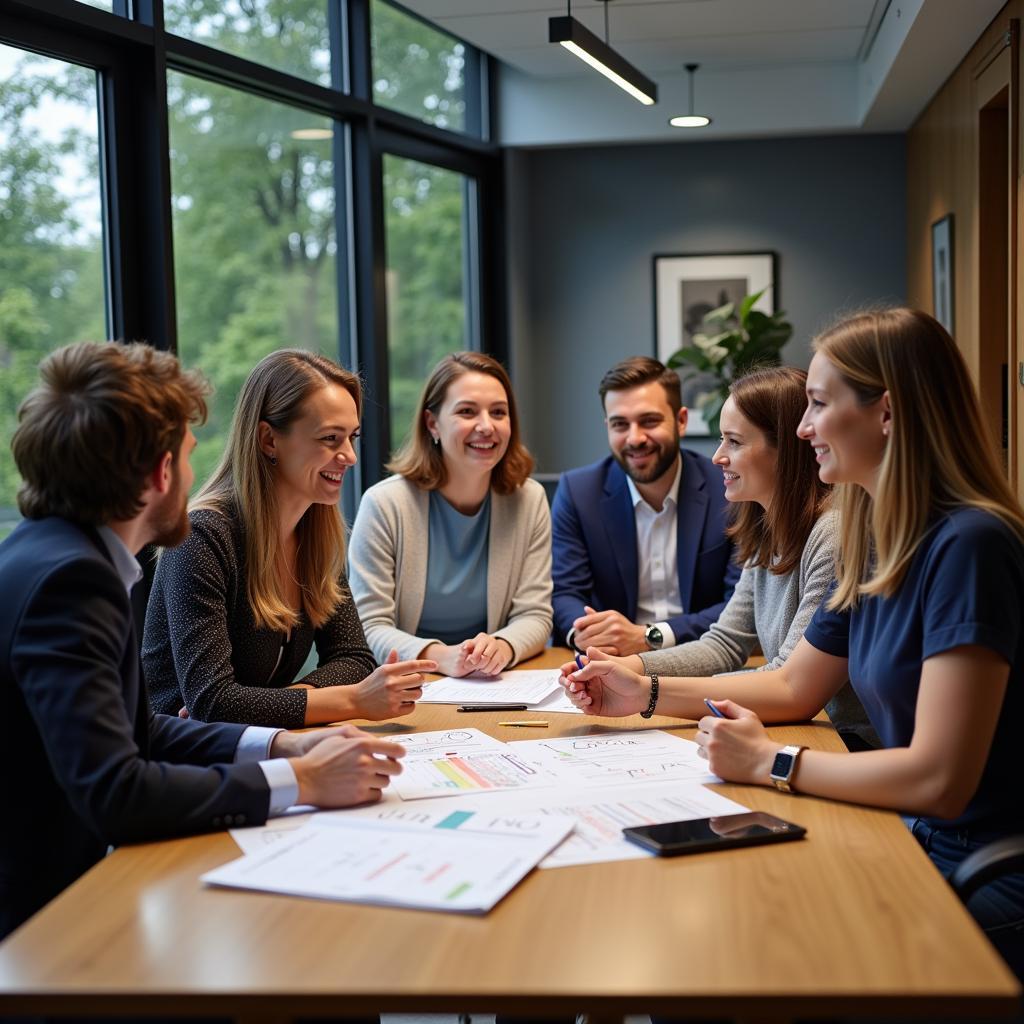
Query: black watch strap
x=654, y=697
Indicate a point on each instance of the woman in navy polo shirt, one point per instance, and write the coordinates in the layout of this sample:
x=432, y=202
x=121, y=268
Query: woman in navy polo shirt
x=925, y=616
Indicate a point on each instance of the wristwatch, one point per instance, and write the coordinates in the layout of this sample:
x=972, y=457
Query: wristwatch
x=784, y=766
x=653, y=636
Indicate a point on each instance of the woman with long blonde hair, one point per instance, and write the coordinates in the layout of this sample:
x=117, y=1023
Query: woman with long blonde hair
x=235, y=610
x=925, y=616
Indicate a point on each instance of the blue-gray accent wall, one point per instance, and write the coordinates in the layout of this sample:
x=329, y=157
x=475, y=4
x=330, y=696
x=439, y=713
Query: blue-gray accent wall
x=584, y=224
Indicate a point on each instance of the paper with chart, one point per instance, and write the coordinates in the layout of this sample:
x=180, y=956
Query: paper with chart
x=459, y=860
x=454, y=762
x=528, y=686
x=608, y=758
x=598, y=815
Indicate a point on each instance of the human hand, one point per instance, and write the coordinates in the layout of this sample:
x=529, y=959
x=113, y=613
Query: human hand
x=610, y=630
x=737, y=746
x=450, y=661
x=295, y=744
x=342, y=770
x=392, y=689
x=486, y=655
x=605, y=687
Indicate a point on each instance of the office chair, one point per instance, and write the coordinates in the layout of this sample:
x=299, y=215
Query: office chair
x=987, y=864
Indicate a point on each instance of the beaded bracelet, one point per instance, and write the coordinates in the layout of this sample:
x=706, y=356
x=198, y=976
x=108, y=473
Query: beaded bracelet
x=654, y=697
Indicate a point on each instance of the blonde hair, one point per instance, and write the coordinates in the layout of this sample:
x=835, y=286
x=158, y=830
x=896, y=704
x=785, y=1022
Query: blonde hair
x=276, y=392
x=939, y=457
x=421, y=462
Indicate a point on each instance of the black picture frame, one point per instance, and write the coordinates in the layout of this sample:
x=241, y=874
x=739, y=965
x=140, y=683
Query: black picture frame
x=688, y=285
x=943, y=276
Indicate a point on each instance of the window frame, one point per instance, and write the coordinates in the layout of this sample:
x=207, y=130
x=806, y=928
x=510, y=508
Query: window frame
x=132, y=53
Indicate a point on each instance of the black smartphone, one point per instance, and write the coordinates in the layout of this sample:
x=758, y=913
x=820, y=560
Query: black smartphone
x=676, y=837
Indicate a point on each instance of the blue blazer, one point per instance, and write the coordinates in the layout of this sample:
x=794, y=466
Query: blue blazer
x=84, y=761
x=594, y=556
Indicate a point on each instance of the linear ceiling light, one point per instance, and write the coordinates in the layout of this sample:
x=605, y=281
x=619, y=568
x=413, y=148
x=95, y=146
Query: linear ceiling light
x=690, y=120
x=579, y=40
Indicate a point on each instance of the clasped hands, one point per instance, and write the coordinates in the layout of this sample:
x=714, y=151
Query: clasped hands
x=737, y=747
x=340, y=766
x=483, y=655
x=609, y=630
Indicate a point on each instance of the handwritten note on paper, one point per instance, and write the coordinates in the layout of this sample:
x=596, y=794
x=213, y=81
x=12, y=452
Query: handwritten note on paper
x=605, y=759
x=516, y=687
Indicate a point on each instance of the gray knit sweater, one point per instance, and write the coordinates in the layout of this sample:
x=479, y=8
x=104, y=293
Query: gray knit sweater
x=772, y=611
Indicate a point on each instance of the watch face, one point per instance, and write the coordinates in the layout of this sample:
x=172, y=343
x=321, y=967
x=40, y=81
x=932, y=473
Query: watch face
x=782, y=765
x=654, y=636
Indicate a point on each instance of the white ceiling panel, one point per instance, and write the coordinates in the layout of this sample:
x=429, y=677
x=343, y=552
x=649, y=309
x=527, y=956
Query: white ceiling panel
x=874, y=63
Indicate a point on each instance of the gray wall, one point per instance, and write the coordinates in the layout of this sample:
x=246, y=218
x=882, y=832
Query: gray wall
x=584, y=223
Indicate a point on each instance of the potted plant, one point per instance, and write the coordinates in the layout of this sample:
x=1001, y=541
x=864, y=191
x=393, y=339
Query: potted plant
x=732, y=340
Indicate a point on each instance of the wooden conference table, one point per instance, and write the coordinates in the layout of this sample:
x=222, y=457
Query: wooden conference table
x=853, y=921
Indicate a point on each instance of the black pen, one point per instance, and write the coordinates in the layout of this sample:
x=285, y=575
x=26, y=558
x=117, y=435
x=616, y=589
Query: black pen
x=493, y=707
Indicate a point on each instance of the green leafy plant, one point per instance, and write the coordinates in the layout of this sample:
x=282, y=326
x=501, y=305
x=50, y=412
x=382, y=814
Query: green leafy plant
x=733, y=340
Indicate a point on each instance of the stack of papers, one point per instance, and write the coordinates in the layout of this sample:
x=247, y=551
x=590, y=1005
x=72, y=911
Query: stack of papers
x=526, y=687
x=450, y=858
x=600, y=783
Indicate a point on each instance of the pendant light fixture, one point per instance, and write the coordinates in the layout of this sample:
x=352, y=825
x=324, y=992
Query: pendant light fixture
x=581, y=42
x=690, y=120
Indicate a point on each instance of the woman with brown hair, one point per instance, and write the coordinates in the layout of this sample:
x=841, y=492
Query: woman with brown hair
x=451, y=557
x=925, y=616
x=235, y=610
x=785, y=538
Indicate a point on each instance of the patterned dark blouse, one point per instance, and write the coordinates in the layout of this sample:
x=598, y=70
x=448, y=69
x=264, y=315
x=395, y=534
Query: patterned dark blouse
x=202, y=649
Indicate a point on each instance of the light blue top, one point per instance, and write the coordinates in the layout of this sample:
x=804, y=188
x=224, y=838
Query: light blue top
x=455, y=603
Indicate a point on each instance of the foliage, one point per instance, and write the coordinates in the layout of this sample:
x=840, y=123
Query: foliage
x=255, y=252
x=733, y=340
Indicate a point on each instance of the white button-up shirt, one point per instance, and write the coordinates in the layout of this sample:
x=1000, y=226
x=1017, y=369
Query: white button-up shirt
x=658, y=597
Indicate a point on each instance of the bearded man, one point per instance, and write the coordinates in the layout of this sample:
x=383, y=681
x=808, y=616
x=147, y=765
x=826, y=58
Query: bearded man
x=640, y=557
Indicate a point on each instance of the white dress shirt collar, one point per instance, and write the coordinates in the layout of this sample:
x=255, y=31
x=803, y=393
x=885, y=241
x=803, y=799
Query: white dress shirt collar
x=673, y=491
x=125, y=563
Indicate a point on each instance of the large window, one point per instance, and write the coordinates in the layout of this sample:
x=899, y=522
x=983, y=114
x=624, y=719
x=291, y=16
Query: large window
x=290, y=35
x=227, y=177
x=51, y=229
x=254, y=238
x=418, y=69
x=425, y=219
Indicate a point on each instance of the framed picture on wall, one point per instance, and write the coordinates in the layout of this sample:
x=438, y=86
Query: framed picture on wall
x=688, y=286
x=942, y=271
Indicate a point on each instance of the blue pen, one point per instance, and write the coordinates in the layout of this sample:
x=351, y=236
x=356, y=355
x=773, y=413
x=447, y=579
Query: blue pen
x=713, y=709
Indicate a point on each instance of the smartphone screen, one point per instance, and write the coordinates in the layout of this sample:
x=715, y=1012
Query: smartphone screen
x=676, y=837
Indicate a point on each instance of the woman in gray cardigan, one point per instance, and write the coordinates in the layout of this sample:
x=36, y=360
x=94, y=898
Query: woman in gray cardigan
x=450, y=558
x=785, y=537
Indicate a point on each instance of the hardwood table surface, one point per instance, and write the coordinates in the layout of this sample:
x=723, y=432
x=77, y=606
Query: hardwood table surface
x=851, y=921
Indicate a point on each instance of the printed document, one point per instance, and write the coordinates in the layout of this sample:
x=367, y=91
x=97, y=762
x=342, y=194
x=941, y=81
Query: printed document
x=461, y=859
x=529, y=686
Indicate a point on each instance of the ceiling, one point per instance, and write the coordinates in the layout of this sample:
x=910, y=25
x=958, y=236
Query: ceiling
x=768, y=67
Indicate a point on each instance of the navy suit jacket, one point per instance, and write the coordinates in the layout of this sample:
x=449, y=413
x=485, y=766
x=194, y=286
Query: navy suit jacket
x=594, y=550
x=84, y=761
